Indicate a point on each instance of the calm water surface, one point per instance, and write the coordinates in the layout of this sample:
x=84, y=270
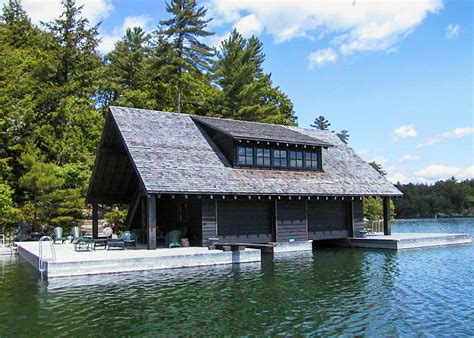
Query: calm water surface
x=332, y=292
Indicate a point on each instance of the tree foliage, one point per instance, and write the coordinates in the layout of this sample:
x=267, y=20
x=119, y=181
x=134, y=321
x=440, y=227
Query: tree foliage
x=55, y=88
x=444, y=198
x=247, y=93
x=321, y=123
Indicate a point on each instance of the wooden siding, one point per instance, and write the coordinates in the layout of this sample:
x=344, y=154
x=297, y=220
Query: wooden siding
x=291, y=221
x=327, y=215
x=237, y=218
x=224, y=142
x=209, y=221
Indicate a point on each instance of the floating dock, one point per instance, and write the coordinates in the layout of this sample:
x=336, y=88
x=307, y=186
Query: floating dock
x=401, y=241
x=72, y=263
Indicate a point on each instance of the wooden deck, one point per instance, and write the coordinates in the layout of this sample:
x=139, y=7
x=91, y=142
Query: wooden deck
x=400, y=241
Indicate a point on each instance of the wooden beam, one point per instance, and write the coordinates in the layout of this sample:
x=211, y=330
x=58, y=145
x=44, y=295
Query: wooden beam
x=151, y=222
x=95, y=220
x=132, y=209
x=387, y=229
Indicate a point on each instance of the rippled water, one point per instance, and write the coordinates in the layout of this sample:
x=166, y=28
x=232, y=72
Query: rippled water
x=331, y=292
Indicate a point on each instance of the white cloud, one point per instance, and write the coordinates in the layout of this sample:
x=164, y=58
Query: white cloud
x=452, y=31
x=405, y=131
x=320, y=57
x=436, y=172
x=409, y=157
x=397, y=177
x=369, y=25
x=47, y=10
x=249, y=25
x=455, y=133
x=108, y=40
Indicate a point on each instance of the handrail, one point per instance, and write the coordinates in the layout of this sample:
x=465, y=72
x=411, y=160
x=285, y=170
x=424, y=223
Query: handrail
x=41, y=261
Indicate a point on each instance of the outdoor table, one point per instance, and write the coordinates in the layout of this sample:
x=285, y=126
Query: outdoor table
x=100, y=242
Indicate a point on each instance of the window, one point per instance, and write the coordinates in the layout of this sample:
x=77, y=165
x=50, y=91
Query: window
x=311, y=160
x=263, y=157
x=296, y=159
x=279, y=158
x=245, y=156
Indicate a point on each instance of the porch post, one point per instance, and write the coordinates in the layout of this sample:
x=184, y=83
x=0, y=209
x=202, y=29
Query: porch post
x=95, y=219
x=350, y=218
x=387, y=230
x=151, y=221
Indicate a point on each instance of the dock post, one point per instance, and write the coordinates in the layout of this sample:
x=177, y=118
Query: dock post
x=387, y=230
x=95, y=220
x=151, y=221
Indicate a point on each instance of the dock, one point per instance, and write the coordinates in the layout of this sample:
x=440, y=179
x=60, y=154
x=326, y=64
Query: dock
x=72, y=263
x=402, y=241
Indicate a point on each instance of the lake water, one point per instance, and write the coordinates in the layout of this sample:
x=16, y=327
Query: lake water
x=334, y=291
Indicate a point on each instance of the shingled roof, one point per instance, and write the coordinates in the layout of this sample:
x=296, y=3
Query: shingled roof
x=172, y=154
x=259, y=131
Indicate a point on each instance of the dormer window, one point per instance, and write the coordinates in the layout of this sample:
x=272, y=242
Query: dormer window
x=245, y=156
x=263, y=157
x=296, y=159
x=279, y=158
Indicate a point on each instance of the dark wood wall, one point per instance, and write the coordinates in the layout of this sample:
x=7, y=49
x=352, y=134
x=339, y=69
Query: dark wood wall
x=209, y=220
x=237, y=218
x=253, y=221
x=327, y=215
x=224, y=142
x=291, y=222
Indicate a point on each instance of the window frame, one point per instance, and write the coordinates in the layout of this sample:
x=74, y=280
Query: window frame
x=295, y=159
x=263, y=158
x=246, y=156
x=279, y=158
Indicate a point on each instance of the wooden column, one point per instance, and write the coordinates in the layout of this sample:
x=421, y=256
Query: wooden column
x=350, y=218
x=151, y=221
x=386, y=216
x=144, y=231
x=95, y=219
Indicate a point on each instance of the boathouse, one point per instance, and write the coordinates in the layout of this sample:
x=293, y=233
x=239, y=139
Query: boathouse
x=234, y=181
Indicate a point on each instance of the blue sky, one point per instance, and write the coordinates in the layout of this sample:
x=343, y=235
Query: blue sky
x=397, y=74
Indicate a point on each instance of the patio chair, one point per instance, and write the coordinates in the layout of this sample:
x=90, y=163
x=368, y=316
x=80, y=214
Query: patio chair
x=174, y=238
x=129, y=239
x=76, y=234
x=58, y=235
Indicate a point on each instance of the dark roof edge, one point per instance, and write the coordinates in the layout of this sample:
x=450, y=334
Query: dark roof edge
x=319, y=143
x=214, y=193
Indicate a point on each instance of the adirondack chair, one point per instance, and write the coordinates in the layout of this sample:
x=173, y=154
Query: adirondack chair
x=58, y=235
x=76, y=234
x=174, y=238
x=129, y=239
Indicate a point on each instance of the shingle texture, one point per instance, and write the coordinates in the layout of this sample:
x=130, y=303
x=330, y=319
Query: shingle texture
x=173, y=155
x=259, y=131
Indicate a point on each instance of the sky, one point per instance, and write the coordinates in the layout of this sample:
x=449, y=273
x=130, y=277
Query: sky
x=397, y=74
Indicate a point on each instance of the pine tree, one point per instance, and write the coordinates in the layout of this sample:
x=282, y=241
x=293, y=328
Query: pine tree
x=186, y=25
x=343, y=136
x=75, y=46
x=126, y=73
x=17, y=29
x=321, y=123
x=248, y=93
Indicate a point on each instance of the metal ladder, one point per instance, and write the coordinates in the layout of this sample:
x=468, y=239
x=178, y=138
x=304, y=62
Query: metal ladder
x=41, y=261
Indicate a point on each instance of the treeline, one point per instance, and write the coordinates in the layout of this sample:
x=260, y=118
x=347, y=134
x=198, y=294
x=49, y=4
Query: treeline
x=55, y=87
x=443, y=199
